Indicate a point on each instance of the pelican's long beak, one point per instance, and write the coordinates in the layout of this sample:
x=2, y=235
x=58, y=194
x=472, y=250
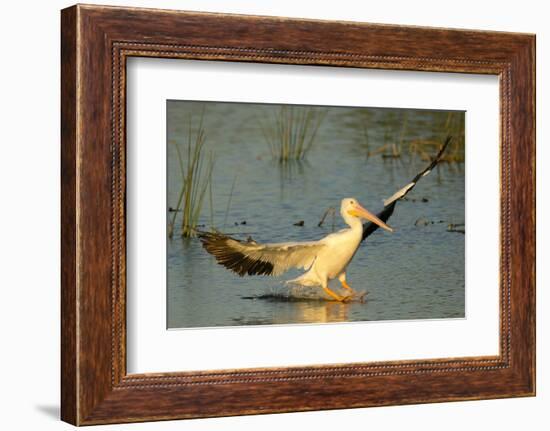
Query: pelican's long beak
x=359, y=211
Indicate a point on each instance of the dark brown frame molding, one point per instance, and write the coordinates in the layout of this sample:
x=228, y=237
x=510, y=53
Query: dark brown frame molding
x=95, y=43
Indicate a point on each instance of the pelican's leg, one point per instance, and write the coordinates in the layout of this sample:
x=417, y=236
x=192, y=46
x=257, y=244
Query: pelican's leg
x=334, y=294
x=345, y=285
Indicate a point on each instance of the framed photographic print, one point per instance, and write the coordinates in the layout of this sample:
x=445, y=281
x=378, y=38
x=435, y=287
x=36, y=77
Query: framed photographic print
x=267, y=215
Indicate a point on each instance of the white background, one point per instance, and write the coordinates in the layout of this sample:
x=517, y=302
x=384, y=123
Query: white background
x=152, y=349
x=29, y=227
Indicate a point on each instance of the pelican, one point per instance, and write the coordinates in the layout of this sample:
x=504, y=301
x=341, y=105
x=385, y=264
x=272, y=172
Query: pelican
x=322, y=260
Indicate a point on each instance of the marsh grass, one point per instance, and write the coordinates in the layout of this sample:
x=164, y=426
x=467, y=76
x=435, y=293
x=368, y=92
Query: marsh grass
x=453, y=124
x=228, y=207
x=398, y=141
x=196, y=171
x=292, y=132
x=393, y=143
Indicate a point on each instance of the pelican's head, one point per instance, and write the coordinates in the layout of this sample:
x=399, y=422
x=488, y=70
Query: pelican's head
x=352, y=211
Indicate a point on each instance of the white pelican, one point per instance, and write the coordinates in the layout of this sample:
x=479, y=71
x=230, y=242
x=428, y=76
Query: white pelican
x=324, y=259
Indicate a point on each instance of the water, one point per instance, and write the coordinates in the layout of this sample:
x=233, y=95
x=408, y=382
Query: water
x=415, y=273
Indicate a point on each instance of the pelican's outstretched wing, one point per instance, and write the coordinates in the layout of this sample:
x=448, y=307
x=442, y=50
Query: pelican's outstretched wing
x=259, y=259
x=389, y=204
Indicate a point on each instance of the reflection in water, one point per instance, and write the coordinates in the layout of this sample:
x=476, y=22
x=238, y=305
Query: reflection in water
x=415, y=273
x=289, y=172
x=310, y=311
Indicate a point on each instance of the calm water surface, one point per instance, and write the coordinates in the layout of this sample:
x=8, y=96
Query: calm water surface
x=415, y=273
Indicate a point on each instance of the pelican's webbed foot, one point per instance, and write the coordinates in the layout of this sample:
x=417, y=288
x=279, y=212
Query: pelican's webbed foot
x=337, y=297
x=346, y=286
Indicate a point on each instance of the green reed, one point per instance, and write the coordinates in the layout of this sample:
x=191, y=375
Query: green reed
x=229, y=200
x=292, y=132
x=196, y=171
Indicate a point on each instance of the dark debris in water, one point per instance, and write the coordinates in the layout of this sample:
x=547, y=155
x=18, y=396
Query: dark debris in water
x=423, y=221
x=423, y=200
x=456, y=227
x=451, y=227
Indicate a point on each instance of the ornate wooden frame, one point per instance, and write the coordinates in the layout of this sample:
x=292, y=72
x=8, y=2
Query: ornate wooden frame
x=95, y=43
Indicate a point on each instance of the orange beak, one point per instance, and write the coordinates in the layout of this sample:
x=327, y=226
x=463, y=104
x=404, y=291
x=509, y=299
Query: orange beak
x=359, y=211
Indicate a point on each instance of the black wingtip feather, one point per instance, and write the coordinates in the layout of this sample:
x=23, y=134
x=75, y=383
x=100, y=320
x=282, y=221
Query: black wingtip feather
x=216, y=244
x=385, y=214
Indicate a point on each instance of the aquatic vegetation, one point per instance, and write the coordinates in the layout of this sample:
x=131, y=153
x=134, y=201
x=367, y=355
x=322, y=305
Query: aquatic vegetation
x=328, y=211
x=399, y=141
x=291, y=134
x=453, y=125
x=392, y=148
x=229, y=200
x=196, y=175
